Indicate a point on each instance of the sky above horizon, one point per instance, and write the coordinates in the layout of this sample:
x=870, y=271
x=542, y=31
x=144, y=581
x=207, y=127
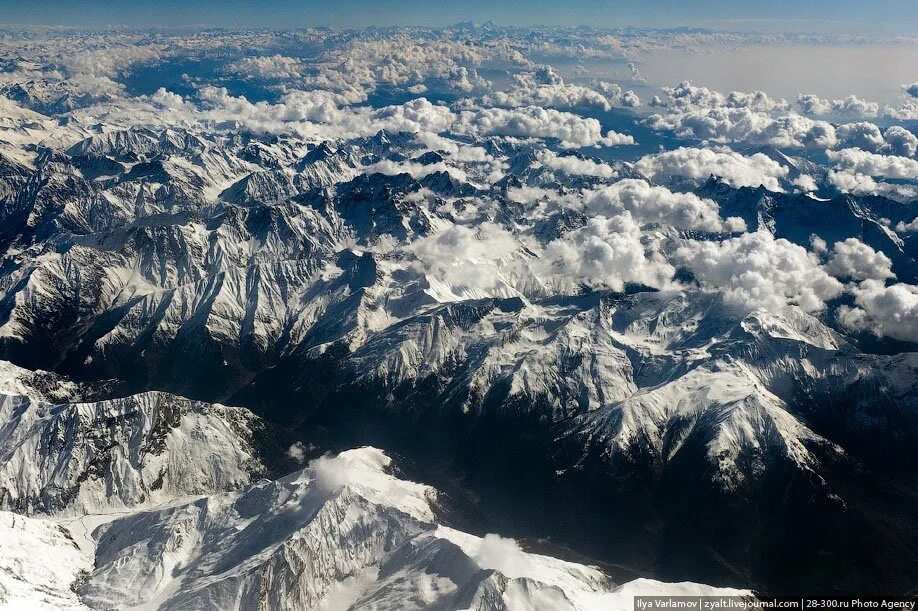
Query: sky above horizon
x=878, y=17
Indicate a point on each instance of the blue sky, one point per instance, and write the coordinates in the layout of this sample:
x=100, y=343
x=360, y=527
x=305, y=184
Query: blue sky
x=831, y=16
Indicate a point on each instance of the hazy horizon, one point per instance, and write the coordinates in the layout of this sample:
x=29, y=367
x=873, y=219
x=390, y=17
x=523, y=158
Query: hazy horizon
x=887, y=17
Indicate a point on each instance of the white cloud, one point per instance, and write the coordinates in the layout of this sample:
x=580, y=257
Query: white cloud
x=570, y=164
x=911, y=227
x=613, y=138
x=268, y=67
x=530, y=121
x=857, y=161
x=527, y=194
x=869, y=137
x=504, y=555
x=852, y=105
x=630, y=99
x=724, y=124
x=405, y=59
x=818, y=245
x=606, y=253
x=806, y=183
x=698, y=164
x=332, y=472
x=855, y=172
x=417, y=115
x=464, y=80
x=614, y=93
x=855, y=260
x=415, y=170
x=299, y=451
x=911, y=89
x=654, y=204
x=900, y=141
x=812, y=104
x=862, y=135
x=548, y=90
x=755, y=271
x=310, y=114
x=458, y=151
x=884, y=310
x=907, y=110
x=686, y=96
x=465, y=257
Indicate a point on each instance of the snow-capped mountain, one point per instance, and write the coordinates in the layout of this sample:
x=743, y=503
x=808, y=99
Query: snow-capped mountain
x=340, y=534
x=302, y=280
x=89, y=457
x=677, y=339
x=155, y=501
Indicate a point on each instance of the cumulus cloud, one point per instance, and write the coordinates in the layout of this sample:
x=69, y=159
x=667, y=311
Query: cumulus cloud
x=900, y=141
x=297, y=106
x=812, y=104
x=573, y=165
x=613, y=138
x=504, y=555
x=723, y=124
x=267, y=67
x=855, y=105
x=890, y=311
x=528, y=195
x=630, y=99
x=896, y=139
x=755, y=270
x=299, y=451
x=849, y=181
x=417, y=115
x=911, y=89
x=857, y=161
x=315, y=113
x=464, y=80
x=653, y=204
x=415, y=170
x=465, y=257
x=857, y=171
x=458, y=151
x=636, y=73
x=405, y=59
x=606, y=253
x=805, y=183
x=756, y=118
x=862, y=135
x=614, y=93
x=330, y=473
x=532, y=121
x=686, y=96
x=698, y=164
x=907, y=110
x=910, y=227
x=852, y=259
x=546, y=89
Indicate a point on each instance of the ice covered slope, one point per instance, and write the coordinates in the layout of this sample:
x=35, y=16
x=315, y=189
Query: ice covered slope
x=341, y=534
x=71, y=458
x=39, y=562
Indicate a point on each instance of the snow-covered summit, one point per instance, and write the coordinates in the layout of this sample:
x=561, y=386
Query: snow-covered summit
x=343, y=533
